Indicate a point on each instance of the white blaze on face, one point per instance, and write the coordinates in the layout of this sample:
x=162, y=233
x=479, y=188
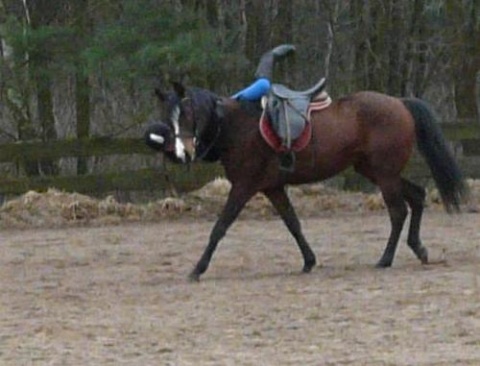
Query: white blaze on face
x=179, y=146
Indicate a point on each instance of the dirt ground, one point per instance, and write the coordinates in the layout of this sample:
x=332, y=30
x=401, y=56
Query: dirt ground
x=118, y=295
x=95, y=282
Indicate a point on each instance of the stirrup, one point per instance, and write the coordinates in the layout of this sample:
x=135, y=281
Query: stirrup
x=287, y=161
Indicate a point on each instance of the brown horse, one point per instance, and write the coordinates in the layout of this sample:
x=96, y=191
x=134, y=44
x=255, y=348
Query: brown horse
x=372, y=132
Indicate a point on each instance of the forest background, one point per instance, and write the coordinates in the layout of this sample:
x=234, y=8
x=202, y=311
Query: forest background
x=80, y=68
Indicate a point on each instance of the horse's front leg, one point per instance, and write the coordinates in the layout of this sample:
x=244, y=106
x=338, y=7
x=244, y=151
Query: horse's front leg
x=237, y=198
x=279, y=199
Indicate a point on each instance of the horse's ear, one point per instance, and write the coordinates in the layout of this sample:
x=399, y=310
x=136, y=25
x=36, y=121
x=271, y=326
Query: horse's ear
x=179, y=89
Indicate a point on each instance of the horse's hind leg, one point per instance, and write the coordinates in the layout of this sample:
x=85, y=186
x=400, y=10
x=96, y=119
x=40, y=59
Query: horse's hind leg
x=279, y=199
x=415, y=197
x=397, y=210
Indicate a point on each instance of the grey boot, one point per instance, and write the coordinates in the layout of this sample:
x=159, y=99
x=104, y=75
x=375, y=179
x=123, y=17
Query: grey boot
x=265, y=66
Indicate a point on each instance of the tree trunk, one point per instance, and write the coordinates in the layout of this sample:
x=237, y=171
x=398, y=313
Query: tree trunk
x=256, y=40
x=82, y=85
x=420, y=38
x=467, y=56
x=282, y=32
x=243, y=37
x=46, y=118
x=377, y=52
x=82, y=112
x=359, y=40
x=40, y=14
x=395, y=48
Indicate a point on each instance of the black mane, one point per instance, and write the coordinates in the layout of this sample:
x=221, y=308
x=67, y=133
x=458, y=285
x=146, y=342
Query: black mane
x=205, y=103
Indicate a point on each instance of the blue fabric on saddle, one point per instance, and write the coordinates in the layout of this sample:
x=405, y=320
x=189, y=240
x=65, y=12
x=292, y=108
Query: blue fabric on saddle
x=288, y=110
x=255, y=91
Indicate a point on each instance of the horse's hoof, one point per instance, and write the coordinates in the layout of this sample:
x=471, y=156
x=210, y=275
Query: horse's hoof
x=309, y=263
x=194, y=277
x=423, y=255
x=383, y=264
x=308, y=268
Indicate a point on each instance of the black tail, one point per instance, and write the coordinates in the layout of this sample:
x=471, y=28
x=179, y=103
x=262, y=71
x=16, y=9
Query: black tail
x=433, y=147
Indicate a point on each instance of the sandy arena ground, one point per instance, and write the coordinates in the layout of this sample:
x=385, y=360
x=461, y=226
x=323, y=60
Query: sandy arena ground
x=118, y=294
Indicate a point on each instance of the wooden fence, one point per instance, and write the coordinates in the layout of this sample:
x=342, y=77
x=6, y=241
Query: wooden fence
x=182, y=178
x=465, y=139
x=465, y=136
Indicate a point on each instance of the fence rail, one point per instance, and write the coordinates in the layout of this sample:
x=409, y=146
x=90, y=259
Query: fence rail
x=99, y=146
x=466, y=135
x=180, y=177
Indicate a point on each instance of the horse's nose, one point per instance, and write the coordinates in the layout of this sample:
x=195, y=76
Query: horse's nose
x=189, y=148
x=185, y=149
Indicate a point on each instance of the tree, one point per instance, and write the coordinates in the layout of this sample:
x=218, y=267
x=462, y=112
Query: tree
x=85, y=67
x=29, y=69
x=465, y=39
x=40, y=20
x=82, y=26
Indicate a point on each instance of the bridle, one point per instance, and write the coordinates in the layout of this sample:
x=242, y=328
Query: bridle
x=196, y=133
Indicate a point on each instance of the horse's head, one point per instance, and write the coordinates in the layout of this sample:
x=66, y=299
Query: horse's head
x=191, y=124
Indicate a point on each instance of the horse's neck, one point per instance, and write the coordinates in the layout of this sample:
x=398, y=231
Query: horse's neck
x=241, y=120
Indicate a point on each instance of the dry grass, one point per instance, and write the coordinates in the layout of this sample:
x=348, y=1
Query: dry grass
x=56, y=209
